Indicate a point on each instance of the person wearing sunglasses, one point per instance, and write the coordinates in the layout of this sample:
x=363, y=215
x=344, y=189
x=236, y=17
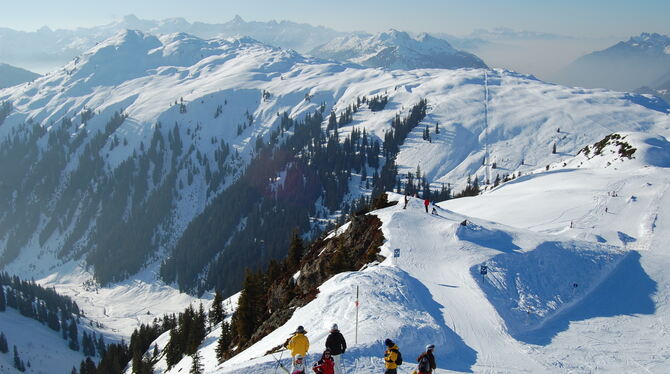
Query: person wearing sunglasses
x=326, y=365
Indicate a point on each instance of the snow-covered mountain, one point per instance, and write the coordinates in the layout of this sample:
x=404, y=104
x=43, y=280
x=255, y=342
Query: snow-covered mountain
x=397, y=50
x=627, y=65
x=12, y=75
x=576, y=276
x=661, y=88
x=46, y=49
x=116, y=165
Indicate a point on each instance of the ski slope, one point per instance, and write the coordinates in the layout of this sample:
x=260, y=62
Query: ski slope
x=525, y=315
x=484, y=116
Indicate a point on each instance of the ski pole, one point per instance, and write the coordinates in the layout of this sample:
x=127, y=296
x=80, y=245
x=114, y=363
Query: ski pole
x=280, y=365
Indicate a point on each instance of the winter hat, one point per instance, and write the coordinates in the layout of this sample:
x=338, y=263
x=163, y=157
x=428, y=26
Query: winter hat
x=430, y=346
x=298, y=356
x=388, y=343
x=334, y=327
x=300, y=330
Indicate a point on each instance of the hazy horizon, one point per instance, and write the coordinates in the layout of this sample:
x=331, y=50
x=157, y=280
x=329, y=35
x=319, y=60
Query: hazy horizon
x=596, y=19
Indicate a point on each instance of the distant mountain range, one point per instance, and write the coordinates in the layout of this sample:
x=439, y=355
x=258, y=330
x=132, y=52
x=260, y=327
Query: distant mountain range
x=397, y=50
x=12, y=75
x=46, y=49
x=640, y=61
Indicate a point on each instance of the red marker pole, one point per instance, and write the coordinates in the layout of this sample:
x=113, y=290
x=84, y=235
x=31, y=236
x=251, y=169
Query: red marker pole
x=356, y=335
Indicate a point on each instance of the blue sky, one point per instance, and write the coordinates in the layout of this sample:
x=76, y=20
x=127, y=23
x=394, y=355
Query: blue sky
x=585, y=18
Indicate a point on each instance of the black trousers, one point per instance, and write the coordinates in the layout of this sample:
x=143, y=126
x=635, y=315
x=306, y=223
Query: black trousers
x=391, y=371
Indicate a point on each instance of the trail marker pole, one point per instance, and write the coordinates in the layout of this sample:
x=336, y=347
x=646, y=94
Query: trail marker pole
x=357, y=304
x=483, y=270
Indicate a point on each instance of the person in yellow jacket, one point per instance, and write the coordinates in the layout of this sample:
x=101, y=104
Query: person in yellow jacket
x=390, y=357
x=298, y=344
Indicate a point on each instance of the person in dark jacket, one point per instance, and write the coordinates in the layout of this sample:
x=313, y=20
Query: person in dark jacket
x=427, y=356
x=336, y=344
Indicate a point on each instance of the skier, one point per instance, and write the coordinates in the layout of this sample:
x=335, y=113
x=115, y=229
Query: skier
x=298, y=365
x=406, y=200
x=390, y=357
x=427, y=361
x=336, y=345
x=426, y=202
x=326, y=365
x=298, y=344
x=434, y=211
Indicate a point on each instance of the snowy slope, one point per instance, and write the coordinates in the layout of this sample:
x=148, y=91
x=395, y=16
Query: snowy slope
x=581, y=299
x=591, y=298
x=40, y=347
x=508, y=118
x=12, y=75
x=397, y=50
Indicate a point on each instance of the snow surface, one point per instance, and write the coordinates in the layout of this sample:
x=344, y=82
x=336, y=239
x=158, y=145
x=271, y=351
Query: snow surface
x=43, y=348
x=555, y=300
x=484, y=116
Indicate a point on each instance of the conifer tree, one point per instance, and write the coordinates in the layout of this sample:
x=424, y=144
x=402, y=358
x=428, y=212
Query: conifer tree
x=3, y=304
x=73, y=335
x=87, y=366
x=295, y=249
x=196, y=365
x=18, y=363
x=224, y=342
x=4, y=347
x=172, y=349
x=216, y=314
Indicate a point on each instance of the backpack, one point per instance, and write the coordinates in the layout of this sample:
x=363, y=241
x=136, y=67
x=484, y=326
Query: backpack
x=424, y=365
x=398, y=360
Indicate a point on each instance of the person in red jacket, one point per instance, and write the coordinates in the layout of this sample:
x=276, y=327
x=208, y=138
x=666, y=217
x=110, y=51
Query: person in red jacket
x=426, y=202
x=326, y=365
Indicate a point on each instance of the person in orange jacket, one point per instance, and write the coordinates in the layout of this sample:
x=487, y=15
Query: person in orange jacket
x=390, y=357
x=299, y=343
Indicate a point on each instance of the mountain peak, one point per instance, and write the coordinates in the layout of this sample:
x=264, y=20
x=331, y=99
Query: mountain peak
x=237, y=20
x=394, y=49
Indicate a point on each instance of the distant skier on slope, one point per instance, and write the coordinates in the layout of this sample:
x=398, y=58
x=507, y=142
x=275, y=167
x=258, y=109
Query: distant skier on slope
x=336, y=344
x=391, y=357
x=406, y=200
x=326, y=365
x=426, y=202
x=298, y=344
x=426, y=361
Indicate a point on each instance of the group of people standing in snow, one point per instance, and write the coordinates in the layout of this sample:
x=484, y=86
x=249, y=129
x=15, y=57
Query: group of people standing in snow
x=336, y=345
x=330, y=362
x=426, y=203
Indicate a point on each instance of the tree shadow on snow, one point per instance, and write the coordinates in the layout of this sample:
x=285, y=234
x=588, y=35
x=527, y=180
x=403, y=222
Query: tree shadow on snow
x=628, y=290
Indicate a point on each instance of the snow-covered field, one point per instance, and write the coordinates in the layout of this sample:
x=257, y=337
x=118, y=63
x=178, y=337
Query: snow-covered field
x=557, y=299
x=524, y=316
